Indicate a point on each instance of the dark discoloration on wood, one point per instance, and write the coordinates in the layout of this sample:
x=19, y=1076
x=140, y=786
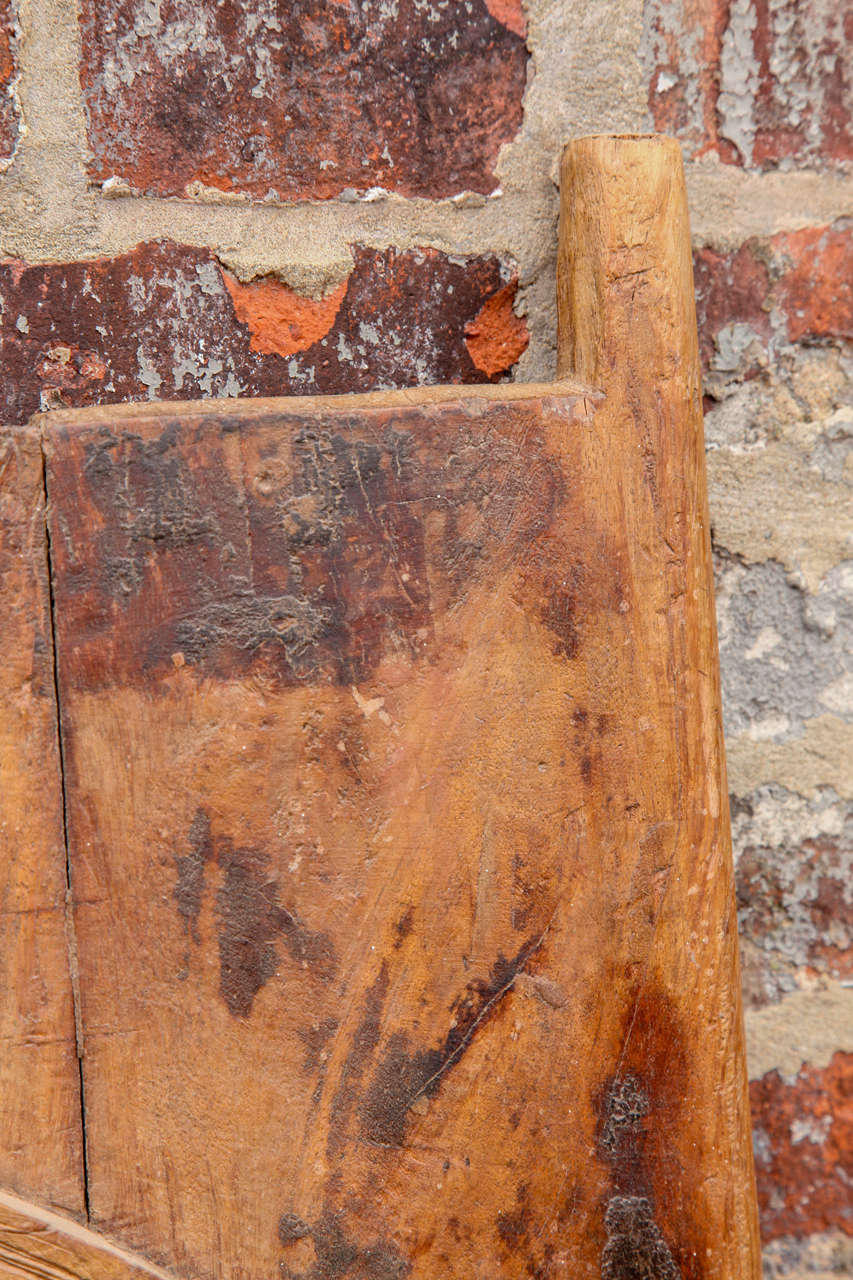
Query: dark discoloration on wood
x=650, y=1226
x=635, y=1248
x=405, y=1076
x=190, y=869
x=306, y=558
x=513, y=1225
x=626, y=1106
x=336, y=1256
x=249, y=916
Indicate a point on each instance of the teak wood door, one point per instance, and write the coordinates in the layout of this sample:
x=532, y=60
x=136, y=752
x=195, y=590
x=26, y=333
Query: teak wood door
x=368, y=894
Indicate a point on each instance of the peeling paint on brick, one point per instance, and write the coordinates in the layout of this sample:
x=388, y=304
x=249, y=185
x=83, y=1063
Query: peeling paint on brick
x=303, y=101
x=162, y=322
x=791, y=287
x=803, y=1136
x=10, y=120
x=795, y=889
x=763, y=85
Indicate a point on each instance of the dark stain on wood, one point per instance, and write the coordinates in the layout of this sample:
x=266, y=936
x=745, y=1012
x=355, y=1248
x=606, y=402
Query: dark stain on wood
x=190, y=868
x=404, y=926
x=514, y=1225
x=635, y=1248
x=621, y=1135
x=311, y=557
x=291, y=1227
x=315, y=1038
x=336, y=1255
x=639, y=1111
x=403, y=1077
x=250, y=917
x=364, y=1043
x=560, y=612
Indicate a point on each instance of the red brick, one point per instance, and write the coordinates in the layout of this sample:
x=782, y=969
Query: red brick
x=816, y=290
x=9, y=115
x=795, y=286
x=166, y=322
x=762, y=83
x=497, y=337
x=302, y=100
x=804, y=1149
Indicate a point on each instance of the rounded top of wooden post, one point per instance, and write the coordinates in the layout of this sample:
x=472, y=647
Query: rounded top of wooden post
x=609, y=149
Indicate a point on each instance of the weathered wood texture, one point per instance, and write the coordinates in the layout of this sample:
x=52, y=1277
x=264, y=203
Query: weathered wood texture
x=396, y=808
x=36, y=1244
x=40, y=1121
x=627, y=325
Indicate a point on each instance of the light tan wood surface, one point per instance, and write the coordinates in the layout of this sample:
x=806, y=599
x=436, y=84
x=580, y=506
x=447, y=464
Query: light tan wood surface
x=36, y=1244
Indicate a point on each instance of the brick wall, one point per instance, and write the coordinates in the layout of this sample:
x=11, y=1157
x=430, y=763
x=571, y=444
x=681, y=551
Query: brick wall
x=240, y=197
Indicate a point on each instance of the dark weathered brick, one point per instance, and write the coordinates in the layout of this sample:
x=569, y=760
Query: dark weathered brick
x=9, y=116
x=167, y=322
x=794, y=286
x=305, y=100
x=764, y=83
x=803, y=1133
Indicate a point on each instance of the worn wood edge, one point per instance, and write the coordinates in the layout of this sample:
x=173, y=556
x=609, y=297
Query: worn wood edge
x=275, y=406
x=35, y=1241
x=589, y=164
x=624, y=214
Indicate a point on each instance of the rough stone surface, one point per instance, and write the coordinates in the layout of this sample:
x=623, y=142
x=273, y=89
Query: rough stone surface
x=803, y=1137
x=795, y=890
x=824, y=1256
x=302, y=101
x=9, y=111
x=167, y=322
x=763, y=85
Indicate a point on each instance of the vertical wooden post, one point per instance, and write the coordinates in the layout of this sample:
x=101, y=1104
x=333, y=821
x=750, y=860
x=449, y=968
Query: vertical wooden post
x=627, y=325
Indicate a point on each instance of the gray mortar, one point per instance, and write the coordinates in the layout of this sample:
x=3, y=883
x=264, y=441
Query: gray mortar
x=821, y=1257
x=796, y=846
x=785, y=657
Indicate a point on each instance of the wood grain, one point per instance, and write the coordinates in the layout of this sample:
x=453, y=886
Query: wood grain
x=40, y=1121
x=36, y=1244
x=396, y=807
x=627, y=325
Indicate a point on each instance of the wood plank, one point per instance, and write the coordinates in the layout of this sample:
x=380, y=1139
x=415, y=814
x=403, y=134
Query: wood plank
x=36, y=1244
x=40, y=1122
x=627, y=325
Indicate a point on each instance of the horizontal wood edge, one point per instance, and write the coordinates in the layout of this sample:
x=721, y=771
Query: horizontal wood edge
x=249, y=407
